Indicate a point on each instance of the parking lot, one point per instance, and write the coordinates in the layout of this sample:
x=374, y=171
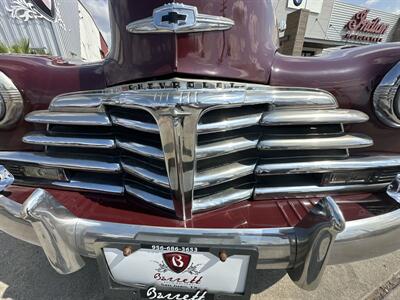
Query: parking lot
x=26, y=274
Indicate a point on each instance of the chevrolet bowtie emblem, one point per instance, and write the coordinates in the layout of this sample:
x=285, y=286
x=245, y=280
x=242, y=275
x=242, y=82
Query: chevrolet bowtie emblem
x=179, y=18
x=173, y=17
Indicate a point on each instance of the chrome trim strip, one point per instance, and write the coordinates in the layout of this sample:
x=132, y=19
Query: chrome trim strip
x=65, y=118
x=229, y=124
x=193, y=21
x=387, y=98
x=347, y=141
x=145, y=196
x=92, y=164
x=287, y=98
x=314, y=116
x=178, y=137
x=222, y=198
x=65, y=141
x=140, y=170
x=90, y=101
x=224, y=173
x=213, y=93
x=261, y=193
x=136, y=125
x=11, y=101
x=284, y=98
x=226, y=147
x=140, y=149
x=324, y=166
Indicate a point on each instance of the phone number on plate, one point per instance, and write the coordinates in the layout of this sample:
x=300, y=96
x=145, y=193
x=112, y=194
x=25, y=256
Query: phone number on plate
x=174, y=248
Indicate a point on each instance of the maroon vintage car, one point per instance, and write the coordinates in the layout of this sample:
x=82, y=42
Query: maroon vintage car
x=196, y=153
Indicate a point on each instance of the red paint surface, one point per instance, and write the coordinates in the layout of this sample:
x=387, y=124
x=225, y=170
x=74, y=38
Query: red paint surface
x=39, y=80
x=244, y=53
x=248, y=214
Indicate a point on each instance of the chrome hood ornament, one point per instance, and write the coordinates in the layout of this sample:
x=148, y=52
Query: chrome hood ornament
x=179, y=18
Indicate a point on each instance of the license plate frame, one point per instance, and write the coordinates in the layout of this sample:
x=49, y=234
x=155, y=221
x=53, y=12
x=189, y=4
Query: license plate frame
x=115, y=290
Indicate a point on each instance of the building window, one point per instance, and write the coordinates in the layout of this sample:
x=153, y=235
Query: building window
x=308, y=53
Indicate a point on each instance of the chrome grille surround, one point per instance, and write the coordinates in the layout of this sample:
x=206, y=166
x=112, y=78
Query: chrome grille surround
x=156, y=141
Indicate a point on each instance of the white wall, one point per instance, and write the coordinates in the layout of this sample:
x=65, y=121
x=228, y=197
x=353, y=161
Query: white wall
x=90, y=36
x=72, y=35
x=334, y=15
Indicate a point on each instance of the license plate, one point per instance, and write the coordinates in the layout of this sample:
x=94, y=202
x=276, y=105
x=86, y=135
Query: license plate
x=161, y=268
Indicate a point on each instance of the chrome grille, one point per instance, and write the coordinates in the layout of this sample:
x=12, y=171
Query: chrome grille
x=188, y=145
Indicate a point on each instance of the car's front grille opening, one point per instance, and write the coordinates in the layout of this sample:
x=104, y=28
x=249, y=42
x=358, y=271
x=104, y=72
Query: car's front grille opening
x=253, y=142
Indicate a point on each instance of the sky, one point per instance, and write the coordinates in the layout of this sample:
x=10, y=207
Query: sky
x=99, y=10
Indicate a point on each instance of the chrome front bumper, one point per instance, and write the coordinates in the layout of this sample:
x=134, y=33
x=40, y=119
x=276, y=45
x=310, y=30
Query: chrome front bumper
x=322, y=238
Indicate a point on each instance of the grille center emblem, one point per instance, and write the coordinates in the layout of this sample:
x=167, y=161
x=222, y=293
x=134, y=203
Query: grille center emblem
x=173, y=18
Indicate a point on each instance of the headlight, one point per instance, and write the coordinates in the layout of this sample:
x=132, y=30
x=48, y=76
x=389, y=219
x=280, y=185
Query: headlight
x=387, y=98
x=11, y=103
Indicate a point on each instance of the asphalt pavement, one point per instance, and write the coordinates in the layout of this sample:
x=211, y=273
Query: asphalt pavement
x=26, y=274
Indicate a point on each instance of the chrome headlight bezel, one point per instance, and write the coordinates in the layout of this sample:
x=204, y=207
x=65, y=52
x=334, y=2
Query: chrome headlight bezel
x=11, y=103
x=2, y=108
x=387, y=98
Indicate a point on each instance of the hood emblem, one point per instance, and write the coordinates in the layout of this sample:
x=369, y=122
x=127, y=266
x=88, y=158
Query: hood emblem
x=179, y=18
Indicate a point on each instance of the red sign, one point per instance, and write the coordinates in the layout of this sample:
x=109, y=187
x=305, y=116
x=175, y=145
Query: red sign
x=359, y=24
x=176, y=261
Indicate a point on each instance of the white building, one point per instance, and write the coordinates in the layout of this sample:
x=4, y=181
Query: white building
x=60, y=27
x=314, y=25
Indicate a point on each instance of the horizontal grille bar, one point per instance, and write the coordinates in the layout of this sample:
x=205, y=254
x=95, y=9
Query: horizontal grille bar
x=65, y=141
x=222, y=198
x=148, y=197
x=226, y=147
x=347, y=141
x=324, y=166
x=98, y=186
x=223, y=174
x=76, y=102
x=261, y=193
x=308, y=117
x=140, y=149
x=68, y=118
x=145, y=172
x=92, y=164
x=229, y=124
x=136, y=125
